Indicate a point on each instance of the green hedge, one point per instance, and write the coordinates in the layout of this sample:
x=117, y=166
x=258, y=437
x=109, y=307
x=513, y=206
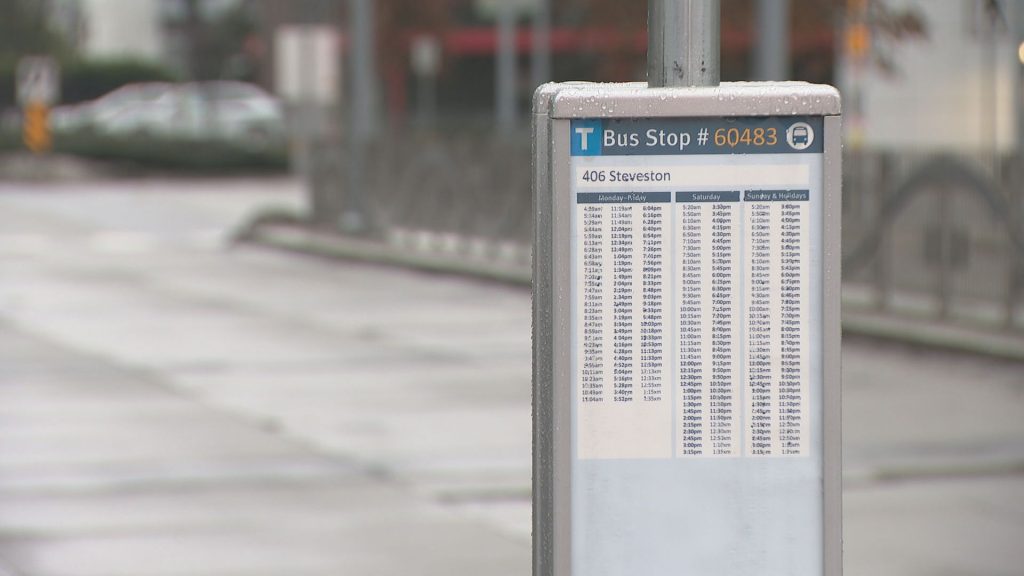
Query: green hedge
x=7, y=93
x=89, y=79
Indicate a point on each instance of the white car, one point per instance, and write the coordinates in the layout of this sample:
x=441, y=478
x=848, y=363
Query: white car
x=223, y=110
x=100, y=111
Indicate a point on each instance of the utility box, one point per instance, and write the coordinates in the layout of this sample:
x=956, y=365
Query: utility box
x=687, y=330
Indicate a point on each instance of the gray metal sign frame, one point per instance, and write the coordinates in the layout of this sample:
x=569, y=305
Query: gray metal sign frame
x=555, y=105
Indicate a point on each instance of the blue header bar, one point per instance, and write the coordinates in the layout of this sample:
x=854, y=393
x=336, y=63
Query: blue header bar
x=684, y=136
x=707, y=196
x=777, y=196
x=622, y=197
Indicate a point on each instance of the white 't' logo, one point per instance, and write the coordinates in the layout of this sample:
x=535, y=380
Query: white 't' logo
x=584, y=133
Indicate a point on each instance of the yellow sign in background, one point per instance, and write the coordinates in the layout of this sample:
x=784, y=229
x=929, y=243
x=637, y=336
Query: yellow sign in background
x=36, y=128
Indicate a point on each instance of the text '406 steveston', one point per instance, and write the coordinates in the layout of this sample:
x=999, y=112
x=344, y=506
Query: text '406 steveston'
x=626, y=176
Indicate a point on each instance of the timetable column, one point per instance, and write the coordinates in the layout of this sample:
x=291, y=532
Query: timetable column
x=591, y=326
x=777, y=322
x=723, y=388
x=707, y=278
x=623, y=405
x=655, y=373
x=625, y=277
x=791, y=275
x=690, y=305
x=758, y=321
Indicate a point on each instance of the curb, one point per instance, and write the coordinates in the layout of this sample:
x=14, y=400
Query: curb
x=295, y=238
x=21, y=167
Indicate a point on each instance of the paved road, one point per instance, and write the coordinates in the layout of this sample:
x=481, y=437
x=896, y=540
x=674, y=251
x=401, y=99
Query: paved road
x=172, y=405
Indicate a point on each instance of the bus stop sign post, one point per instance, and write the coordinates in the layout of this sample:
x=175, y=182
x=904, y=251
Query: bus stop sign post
x=686, y=328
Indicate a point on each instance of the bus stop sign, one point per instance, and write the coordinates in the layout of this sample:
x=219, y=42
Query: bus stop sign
x=686, y=346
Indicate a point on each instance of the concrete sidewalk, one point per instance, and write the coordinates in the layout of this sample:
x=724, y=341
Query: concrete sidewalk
x=107, y=470
x=171, y=405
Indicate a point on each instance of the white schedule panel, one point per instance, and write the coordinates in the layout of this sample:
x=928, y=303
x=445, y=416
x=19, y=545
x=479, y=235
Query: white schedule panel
x=696, y=304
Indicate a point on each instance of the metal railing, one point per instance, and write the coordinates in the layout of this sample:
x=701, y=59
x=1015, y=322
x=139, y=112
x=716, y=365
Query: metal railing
x=938, y=237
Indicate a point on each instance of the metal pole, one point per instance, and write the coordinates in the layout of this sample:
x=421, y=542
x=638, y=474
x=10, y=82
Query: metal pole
x=683, y=43
x=303, y=118
x=771, y=59
x=362, y=31
x=1017, y=174
x=505, y=71
x=426, y=99
x=354, y=217
x=541, y=64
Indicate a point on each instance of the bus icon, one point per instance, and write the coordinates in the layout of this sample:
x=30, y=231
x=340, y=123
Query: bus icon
x=800, y=136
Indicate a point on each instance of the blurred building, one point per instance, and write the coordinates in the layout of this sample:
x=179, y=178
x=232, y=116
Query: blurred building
x=173, y=33
x=112, y=28
x=933, y=195
x=194, y=45
x=953, y=88
x=597, y=40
